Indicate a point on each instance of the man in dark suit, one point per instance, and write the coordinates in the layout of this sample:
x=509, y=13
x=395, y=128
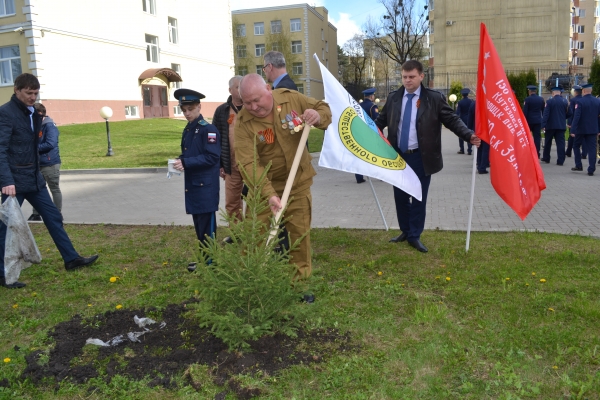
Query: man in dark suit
x=574, y=100
x=462, y=110
x=414, y=116
x=586, y=125
x=275, y=72
x=554, y=123
x=533, y=107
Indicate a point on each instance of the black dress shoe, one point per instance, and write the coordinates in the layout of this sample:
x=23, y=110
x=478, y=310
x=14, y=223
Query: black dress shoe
x=80, y=262
x=460, y=152
x=361, y=181
x=482, y=172
x=308, y=298
x=559, y=163
x=568, y=155
x=590, y=173
x=545, y=161
x=576, y=169
x=400, y=238
x=15, y=285
x=34, y=217
x=227, y=240
x=419, y=246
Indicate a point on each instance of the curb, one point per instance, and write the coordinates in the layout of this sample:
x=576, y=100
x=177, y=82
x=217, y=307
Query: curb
x=149, y=170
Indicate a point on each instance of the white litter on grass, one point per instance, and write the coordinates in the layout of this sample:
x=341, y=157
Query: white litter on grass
x=132, y=336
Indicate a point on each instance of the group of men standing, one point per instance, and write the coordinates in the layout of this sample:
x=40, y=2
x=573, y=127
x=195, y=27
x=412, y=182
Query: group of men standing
x=581, y=115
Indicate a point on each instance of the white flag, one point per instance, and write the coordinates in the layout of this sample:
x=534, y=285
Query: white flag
x=353, y=143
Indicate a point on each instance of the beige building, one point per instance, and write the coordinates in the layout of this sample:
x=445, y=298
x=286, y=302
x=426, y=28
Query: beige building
x=527, y=34
x=129, y=55
x=298, y=31
x=585, y=29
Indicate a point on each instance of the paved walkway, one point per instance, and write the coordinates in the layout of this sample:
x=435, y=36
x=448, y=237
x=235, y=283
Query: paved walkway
x=570, y=204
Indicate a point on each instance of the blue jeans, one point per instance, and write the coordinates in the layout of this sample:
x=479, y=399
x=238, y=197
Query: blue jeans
x=411, y=214
x=52, y=219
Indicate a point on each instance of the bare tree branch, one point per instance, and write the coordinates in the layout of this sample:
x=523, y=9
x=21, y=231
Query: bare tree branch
x=401, y=31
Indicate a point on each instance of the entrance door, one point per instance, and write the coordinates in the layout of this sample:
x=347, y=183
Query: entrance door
x=156, y=103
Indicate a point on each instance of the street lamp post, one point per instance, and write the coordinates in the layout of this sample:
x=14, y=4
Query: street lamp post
x=106, y=113
x=452, y=98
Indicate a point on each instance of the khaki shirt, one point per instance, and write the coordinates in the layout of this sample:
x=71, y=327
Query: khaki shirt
x=281, y=153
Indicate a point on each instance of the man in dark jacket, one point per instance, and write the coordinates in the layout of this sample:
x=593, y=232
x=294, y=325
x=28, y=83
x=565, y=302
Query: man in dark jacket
x=533, y=108
x=224, y=120
x=49, y=159
x=20, y=172
x=414, y=116
x=462, y=110
x=554, y=123
x=372, y=110
x=200, y=155
x=275, y=72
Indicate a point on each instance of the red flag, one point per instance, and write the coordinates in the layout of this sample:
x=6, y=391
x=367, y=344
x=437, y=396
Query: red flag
x=515, y=170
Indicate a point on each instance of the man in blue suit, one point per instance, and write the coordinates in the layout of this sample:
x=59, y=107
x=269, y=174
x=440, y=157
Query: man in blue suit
x=462, y=110
x=533, y=107
x=372, y=111
x=554, y=122
x=586, y=125
x=574, y=100
x=200, y=159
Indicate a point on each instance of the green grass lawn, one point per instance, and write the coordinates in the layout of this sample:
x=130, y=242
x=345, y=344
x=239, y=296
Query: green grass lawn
x=516, y=317
x=136, y=143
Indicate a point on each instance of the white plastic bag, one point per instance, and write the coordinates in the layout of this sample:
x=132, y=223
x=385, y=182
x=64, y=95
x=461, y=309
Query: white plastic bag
x=20, y=250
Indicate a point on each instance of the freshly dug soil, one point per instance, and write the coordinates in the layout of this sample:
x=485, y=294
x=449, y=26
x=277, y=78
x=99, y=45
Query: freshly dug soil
x=163, y=353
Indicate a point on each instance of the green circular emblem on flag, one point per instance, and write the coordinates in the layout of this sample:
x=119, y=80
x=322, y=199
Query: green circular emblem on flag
x=361, y=141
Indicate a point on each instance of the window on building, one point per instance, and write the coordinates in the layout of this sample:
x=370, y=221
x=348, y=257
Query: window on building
x=431, y=5
x=300, y=87
x=322, y=54
x=10, y=64
x=327, y=46
x=597, y=28
x=276, y=26
x=173, y=38
x=582, y=13
x=259, y=70
x=431, y=50
x=580, y=45
x=276, y=46
x=240, y=30
x=240, y=51
x=147, y=95
x=580, y=28
x=431, y=27
x=242, y=71
x=131, y=112
x=259, y=28
x=7, y=7
x=259, y=50
x=296, y=46
x=297, y=68
x=149, y=6
x=579, y=61
x=176, y=68
x=295, y=25
x=177, y=110
x=152, y=48
x=322, y=34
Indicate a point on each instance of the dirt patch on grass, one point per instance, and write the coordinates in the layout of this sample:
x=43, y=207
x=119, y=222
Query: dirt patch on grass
x=163, y=353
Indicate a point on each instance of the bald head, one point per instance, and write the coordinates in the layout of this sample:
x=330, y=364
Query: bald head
x=256, y=95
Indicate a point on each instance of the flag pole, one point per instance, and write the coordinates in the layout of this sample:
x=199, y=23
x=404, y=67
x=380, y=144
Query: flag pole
x=475, y=149
x=378, y=205
x=290, y=180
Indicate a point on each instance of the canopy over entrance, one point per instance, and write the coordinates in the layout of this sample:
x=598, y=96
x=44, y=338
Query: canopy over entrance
x=168, y=73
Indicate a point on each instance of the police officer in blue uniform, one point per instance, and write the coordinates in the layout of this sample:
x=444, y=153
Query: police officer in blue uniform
x=586, y=125
x=533, y=107
x=462, y=110
x=554, y=122
x=372, y=111
x=200, y=162
x=574, y=100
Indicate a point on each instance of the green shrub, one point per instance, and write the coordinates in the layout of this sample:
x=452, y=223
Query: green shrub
x=248, y=290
